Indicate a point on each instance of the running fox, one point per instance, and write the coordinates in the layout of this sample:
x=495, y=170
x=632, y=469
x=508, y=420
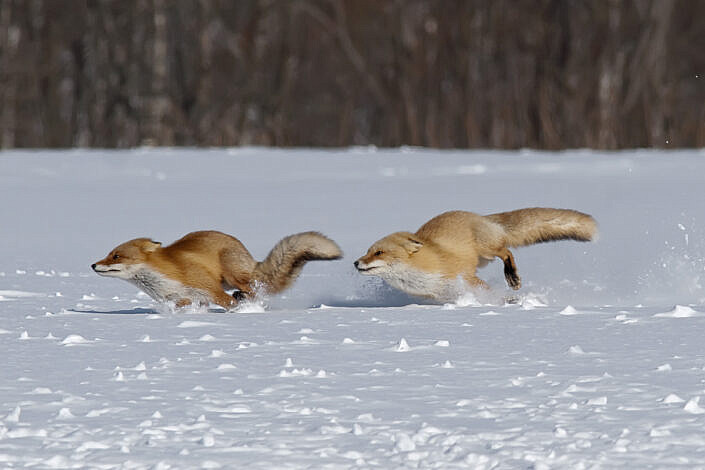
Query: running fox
x=198, y=268
x=454, y=244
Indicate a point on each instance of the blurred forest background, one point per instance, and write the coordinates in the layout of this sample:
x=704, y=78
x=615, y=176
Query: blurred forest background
x=545, y=74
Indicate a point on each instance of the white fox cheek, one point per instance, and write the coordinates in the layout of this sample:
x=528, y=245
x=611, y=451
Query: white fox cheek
x=376, y=264
x=372, y=268
x=128, y=271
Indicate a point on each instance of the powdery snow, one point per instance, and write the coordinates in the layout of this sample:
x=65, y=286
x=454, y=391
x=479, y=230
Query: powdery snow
x=597, y=362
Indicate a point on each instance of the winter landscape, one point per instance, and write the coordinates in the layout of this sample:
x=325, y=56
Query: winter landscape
x=599, y=364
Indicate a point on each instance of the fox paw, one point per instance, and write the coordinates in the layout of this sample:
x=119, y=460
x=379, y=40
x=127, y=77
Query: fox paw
x=514, y=281
x=239, y=296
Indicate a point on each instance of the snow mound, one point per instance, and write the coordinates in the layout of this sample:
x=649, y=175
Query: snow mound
x=569, y=310
x=74, y=339
x=402, y=346
x=195, y=324
x=679, y=311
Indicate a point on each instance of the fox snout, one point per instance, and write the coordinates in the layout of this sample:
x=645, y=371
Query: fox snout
x=364, y=266
x=356, y=263
x=119, y=270
x=99, y=268
x=360, y=264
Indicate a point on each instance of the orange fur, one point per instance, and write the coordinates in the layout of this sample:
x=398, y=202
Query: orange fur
x=199, y=267
x=454, y=244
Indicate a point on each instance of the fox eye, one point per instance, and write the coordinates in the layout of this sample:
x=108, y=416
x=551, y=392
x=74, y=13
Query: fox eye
x=378, y=252
x=116, y=256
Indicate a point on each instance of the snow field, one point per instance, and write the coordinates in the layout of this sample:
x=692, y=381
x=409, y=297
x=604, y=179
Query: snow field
x=353, y=388
x=599, y=365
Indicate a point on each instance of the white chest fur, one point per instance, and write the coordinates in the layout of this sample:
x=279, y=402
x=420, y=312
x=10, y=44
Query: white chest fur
x=420, y=283
x=163, y=289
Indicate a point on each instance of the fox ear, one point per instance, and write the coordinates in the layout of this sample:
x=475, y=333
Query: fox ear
x=151, y=246
x=412, y=245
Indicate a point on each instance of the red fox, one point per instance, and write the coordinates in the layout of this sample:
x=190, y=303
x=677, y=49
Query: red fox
x=454, y=244
x=198, y=268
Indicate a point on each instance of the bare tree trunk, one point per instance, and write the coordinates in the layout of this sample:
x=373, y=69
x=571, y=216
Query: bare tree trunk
x=158, y=132
x=8, y=47
x=648, y=71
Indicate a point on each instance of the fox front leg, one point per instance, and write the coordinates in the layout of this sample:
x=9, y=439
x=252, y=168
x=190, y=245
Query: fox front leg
x=475, y=281
x=181, y=303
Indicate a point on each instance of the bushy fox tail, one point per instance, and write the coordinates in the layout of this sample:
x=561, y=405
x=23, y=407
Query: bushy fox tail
x=284, y=263
x=537, y=225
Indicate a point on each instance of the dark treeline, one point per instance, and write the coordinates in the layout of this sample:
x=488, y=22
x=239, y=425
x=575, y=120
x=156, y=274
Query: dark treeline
x=442, y=73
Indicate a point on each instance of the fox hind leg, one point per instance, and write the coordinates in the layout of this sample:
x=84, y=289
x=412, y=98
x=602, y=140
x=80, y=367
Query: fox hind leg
x=244, y=290
x=221, y=298
x=510, y=269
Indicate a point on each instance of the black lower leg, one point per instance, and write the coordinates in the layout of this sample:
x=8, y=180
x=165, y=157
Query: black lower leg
x=510, y=272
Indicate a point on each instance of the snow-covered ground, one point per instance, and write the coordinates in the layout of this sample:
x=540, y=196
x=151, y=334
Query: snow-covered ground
x=601, y=364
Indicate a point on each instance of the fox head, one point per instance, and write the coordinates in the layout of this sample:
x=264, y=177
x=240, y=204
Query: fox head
x=385, y=253
x=126, y=259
